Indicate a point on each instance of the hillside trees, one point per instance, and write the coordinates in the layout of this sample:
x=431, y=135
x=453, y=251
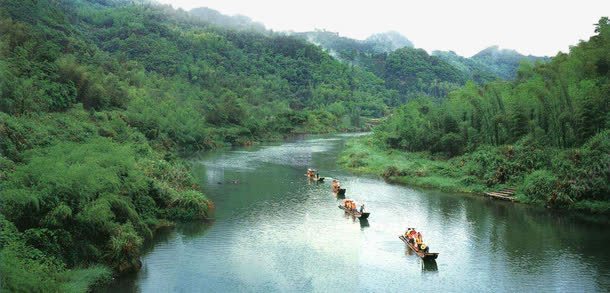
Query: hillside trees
x=552, y=118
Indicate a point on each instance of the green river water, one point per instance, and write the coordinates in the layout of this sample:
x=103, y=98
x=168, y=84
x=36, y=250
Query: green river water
x=275, y=231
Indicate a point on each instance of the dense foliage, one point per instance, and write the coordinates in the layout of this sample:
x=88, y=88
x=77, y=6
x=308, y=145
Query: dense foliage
x=413, y=72
x=474, y=70
x=95, y=98
x=78, y=189
x=547, y=131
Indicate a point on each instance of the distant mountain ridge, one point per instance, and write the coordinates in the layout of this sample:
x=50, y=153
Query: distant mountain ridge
x=237, y=22
x=489, y=64
x=504, y=62
x=388, y=41
x=393, y=58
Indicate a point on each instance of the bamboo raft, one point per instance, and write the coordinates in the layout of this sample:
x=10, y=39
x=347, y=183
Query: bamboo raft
x=423, y=255
x=505, y=194
x=361, y=216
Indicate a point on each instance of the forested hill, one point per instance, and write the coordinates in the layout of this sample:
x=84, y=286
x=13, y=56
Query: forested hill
x=139, y=57
x=547, y=133
x=96, y=97
x=413, y=72
x=392, y=57
x=504, y=62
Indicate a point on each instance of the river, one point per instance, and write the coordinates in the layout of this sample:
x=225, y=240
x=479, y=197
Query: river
x=275, y=231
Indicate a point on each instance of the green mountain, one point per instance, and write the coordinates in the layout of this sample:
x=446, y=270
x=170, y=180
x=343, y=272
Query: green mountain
x=472, y=69
x=408, y=71
x=412, y=72
x=349, y=49
x=388, y=41
x=504, y=62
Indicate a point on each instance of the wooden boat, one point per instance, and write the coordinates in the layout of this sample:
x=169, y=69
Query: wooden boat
x=423, y=255
x=356, y=214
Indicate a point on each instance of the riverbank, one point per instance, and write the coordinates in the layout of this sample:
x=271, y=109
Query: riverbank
x=463, y=174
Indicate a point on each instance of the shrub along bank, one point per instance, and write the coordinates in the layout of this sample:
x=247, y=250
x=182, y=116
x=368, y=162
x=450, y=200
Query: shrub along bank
x=81, y=192
x=562, y=178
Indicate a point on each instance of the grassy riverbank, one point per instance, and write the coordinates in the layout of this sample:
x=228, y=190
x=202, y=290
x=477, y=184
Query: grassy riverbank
x=475, y=172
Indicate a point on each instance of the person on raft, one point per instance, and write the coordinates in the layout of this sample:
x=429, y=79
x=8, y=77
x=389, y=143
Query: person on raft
x=410, y=235
x=310, y=173
x=417, y=240
x=349, y=205
x=335, y=185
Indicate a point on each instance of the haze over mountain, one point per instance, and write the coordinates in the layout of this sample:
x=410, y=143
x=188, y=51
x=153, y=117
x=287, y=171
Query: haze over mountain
x=388, y=41
x=488, y=64
x=465, y=27
x=238, y=22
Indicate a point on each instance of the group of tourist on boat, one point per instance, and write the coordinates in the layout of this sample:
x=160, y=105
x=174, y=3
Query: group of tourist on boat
x=351, y=205
x=412, y=237
x=335, y=186
x=348, y=205
x=417, y=240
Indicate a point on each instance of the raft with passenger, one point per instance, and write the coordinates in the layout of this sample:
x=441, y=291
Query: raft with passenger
x=312, y=174
x=350, y=207
x=414, y=240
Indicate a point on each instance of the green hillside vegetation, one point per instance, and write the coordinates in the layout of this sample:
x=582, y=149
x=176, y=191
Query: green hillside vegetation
x=546, y=133
x=412, y=72
x=407, y=71
x=97, y=97
x=474, y=70
x=390, y=56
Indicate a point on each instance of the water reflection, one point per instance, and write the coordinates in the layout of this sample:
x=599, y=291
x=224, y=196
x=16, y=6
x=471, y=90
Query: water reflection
x=364, y=223
x=429, y=266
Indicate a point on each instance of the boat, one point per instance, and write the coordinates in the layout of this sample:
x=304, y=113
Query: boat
x=341, y=192
x=423, y=255
x=356, y=214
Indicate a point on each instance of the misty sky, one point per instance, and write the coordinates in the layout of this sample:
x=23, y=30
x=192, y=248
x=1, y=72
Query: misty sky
x=531, y=27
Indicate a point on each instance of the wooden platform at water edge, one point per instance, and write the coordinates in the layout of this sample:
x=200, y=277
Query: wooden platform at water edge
x=505, y=194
